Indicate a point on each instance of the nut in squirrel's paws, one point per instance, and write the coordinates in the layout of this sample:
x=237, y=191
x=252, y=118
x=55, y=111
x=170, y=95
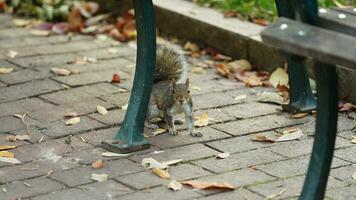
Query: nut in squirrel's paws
x=196, y=134
x=174, y=133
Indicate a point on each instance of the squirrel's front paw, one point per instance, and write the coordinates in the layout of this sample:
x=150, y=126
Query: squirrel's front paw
x=196, y=134
x=173, y=133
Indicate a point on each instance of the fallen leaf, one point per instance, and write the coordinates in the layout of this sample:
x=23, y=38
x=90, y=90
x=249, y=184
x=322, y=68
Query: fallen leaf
x=346, y=107
x=99, y=177
x=161, y=173
x=189, y=46
x=11, y=138
x=111, y=154
x=279, y=77
x=230, y=14
x=102, y=110
x=172, y=162
x=21, y=22
x=71, y=114
x=22, y=137
x=353, y=140
x=241, y=97
x=10, y=160
x=354, y=176
x=221, y=57
x=290, y=135
x=73, y=121
x=7, y=147
x=60, y=71
x=7, y=154
x=202, y=120
x=97, y=164
x=239, y=66
x=261, y=22
x=43, y=33
x=270, y=97
x=298, y=115
x=198, y=70
x=223, y=155
x=253, y=81
x=208, y=185
x=75, y=20
x=150, y=163
x=11, y=54
x=116, y=78
x=222, y=70
x=263, y=138
x=4, y=70
x=124, y=107
x=159, y=131
x=174, y=185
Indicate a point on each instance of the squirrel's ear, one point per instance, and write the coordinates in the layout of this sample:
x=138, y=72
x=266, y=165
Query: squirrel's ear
x=187, y=82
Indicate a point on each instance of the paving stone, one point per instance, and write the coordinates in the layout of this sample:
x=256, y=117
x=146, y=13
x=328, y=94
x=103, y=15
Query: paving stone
x=22, y=106
x=344, y=174
x=142, y=180
x=13, y=32
x=36, y=134
x=212, y=100
x=6, y=21
x=22, y=76
x=11, y=123
x=83, y=107
x=60, y=129
x=80, y=93
x=240, y=193
x=36, y=168
x=87, y=156
x=240, y=144
x=187, y=171
x=4, y=141
x=82, y=175
x=294, y=167
x=90, y=77
x=265, y=123
x=166, y=140
x=118, y=99
x=122, y=52
x=114, y=117
x=106, y=190
x=342, y=193
x=28, y=89
x=244, y=110
x=17, y=190
x=347, y=154
x=2, y=85
x=291, y=186
x=239, y=160
x=347, y=135
x=161, y=193
x=57, y=60
x=187, y=153
x=96, y=137
x=216, y=114
x=344, y=124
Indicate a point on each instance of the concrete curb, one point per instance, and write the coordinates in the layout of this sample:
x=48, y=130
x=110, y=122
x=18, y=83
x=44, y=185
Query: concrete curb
x=233, y=37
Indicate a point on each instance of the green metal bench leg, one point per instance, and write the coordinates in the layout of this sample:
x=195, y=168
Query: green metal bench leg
x=324, y=142
x=301, y=96
x=130, y=136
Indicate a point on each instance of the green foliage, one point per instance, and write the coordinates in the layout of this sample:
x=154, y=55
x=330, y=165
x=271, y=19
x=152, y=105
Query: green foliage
x=265, y=9
x=47, y=10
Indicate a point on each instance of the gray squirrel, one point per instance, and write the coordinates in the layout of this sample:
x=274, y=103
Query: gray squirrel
x=170, y=93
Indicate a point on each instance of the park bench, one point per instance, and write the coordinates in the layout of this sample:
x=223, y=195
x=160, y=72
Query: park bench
x=328, y=37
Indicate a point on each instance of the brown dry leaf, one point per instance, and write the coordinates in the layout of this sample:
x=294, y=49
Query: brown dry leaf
x=221, y=57
x=290, y=135
x=298, y=115
x=4, y=70
x=161, y=173
x=97, y=164
x=239, y=66
x=42, y=33
x=116, y=78
x=222, y=70
x=102, y=110
x=7, y=154
x=71, y=114
x=344, y=107
x=263, y=138
x=11, y=54
x=261, y=22
x=7, y=147
x=353, y=140
x=10, y=160
x=279, y=77
x=223, y=155
x=72, y=121
x=60, y=71
x=202, y=120
x=229, y=14
x=208, y=185
x=11, y=138
x=99, y=177
x=75, y=20
x=253, y=81
x=174, y=185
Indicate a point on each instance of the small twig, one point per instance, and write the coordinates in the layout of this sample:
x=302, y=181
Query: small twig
x=22, y=117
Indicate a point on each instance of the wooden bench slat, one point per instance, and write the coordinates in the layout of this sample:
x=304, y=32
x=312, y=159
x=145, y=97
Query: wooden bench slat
x=338, y=21
x=310, y=41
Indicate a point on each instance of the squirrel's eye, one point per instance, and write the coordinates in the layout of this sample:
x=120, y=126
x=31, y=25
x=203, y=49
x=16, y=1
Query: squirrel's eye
x=188, y=91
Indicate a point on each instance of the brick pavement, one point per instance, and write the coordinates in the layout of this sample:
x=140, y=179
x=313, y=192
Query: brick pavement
x=53, y=169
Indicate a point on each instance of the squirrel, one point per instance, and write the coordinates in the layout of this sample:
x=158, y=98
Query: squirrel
x=170, y=92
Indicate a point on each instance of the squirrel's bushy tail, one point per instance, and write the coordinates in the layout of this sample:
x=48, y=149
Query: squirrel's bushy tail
x=170, y=64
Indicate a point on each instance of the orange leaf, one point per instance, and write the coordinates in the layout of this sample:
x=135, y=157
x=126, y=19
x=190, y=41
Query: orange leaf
x=223, y=70
x=7, y=147
x=97, y=164
x=230, y=14
x=116, y=78
x=75, y=20
x=6, y=154
x=161, y=173
x=208, y=185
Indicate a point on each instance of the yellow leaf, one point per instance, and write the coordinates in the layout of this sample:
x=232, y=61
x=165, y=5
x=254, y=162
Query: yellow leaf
x=36, y=32
x=161, y=173
x=73, y=121
x=102, y=110
x=4, y=70
x=202, y=120
x=159, y=131
x=21, y=22
x=298, y=115
x=6, y=154
x=60, y=71
x=7, y=147
x=279, y=77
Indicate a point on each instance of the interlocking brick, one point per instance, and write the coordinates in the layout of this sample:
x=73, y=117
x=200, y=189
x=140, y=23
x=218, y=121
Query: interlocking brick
x=80, y=93
x=13, y=32
x=347, y=154
x=96, y=137
x=342, y=193
x=60, y=129
x=216, y=115
x=57, y=60
x=118, y=99
x=242, y=111
x=22, y=106
x=28, y=89
x=21, y=76
x=239, y=160
x=187, y=171
x=122, y=52
x=11, y=123
x=240, y=193
x=212, y=100
x=108, y=189
x=166, y=140
x=28, y=188
x=113, y=117
x=142, y=180
x=265, y=123
x=344, y=174
x=82, y=175
x=187, y=153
